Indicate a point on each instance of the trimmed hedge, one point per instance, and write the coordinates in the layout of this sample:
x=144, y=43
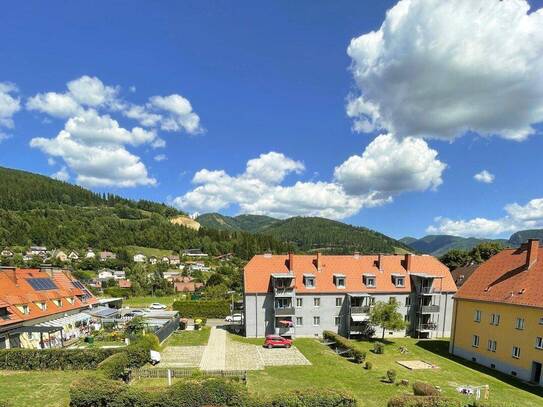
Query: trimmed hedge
x=424, y=389
x=423, y=401
x=195, y=393
x=114, y=366
x=345, y=343
x=53, y=359
x=202, y=309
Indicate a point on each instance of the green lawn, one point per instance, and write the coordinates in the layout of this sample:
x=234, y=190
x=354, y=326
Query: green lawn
x=333, y=371
x=189, y=338
x=148, y=251
x=143, y=302
x=45, y=388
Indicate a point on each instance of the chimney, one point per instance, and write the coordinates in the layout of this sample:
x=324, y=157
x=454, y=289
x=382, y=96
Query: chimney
x=380, y=262
x=291, y=261
x=356, y=255
x=408, y=262
x=531, y=252
x=318, y=261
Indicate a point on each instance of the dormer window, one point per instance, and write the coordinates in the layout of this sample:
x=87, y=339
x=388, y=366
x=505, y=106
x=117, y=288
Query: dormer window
x=4, y=313
x=41, y=305
x=339, y=280
x=398, y=281
x=23, y=308
x=57, y=302
x=309, y=281
x=369, y=280
x=70, y=300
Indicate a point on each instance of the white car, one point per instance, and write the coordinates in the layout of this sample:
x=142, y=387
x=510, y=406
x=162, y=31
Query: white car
x=234, y=318
x=157, y=305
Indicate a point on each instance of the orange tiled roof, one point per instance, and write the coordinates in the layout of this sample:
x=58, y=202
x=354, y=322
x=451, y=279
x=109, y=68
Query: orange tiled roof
x=258, y=271
x=505, y=278
x=16, y=290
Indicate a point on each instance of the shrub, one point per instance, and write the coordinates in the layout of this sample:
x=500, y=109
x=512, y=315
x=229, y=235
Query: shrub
x=424, y=389
x=345, y=343
x=309, y=398
x=369, y=365
x=423, y=401
x=53, y=359
x=379, y=348
x=391, y=375
x=114, y=366
x=202, y=309
x=359, y=356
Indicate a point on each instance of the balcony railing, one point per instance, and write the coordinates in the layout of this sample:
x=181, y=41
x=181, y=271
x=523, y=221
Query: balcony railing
x=426, y=290
x=284, y=331
x=363, y=309
x=284, y=291
x=429, y=308
x=281, y=312
x=432, y=326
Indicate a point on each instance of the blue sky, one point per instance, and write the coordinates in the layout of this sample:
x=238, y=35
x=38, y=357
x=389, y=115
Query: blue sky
x=276, y=77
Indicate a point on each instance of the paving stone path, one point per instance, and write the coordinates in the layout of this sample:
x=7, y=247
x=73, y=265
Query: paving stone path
x=214, y=357
x=181, y=356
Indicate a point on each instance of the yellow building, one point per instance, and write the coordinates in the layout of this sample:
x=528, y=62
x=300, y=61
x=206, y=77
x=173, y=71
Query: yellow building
x=498, y=314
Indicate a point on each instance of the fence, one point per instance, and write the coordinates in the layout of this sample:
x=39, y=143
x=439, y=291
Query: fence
x=167, y=329
x=162, y=373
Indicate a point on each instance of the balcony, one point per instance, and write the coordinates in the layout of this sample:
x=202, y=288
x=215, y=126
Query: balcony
x=428, y=309
x=284, y=331
x=284, y=312
x=431, y=326
x=284, y=291
x=426, y=290
x=363, y=309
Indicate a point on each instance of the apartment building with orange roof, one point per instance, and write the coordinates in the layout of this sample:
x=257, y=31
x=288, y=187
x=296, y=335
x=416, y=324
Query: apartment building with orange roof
x=39, y=307
x=303, y=295
x=498, y=316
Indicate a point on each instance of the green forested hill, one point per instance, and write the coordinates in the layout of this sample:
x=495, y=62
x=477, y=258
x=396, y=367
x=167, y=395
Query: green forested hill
x=438, y=245
x=39, y=210
x=308, y=233
x=248, y=223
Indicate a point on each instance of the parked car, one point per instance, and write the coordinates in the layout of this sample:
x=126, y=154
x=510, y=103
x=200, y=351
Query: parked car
x=234, y=318
x=157, y=305
x=276, y=341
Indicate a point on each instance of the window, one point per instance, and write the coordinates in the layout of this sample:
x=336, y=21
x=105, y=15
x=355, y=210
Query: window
x=475, y=341
x=317, y=302
x=316, y=321
x=309, y=282
x=407, y=318
x=57, y=302
x=369, y=281
x=520, y=323
x=339, y=301
x=516, y=352
x=399, y=281
x=477, y=317
x=491, y=345
x=281, y=303
x=540, y=321
x=495, y=319
x=391, y=300
x=337, y=321
x=339, y=281
x=408, y=301
x=539, y=342
x=299, y=302
x=24, y=309
x=299, y=321
x=41, y=305
x=70, y=299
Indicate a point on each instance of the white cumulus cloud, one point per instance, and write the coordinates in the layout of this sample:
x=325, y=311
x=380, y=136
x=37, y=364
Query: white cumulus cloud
x=180, y=115
x=9, y=104
x=441, y=68
x=61, y=175
x=484, y=177
x=390, y=166
x=517, y=217
x=160, y=157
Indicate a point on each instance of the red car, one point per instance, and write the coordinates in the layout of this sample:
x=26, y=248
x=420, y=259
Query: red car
x=276, y=341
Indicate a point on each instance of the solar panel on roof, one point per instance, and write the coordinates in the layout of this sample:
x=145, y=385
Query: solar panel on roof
x=42, y=284
x=78, y=284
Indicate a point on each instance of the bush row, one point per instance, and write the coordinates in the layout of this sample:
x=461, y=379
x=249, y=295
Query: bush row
x=345, y=343
x=202, y=309
x=52, y=359
x=423, y=401
x=195, y=393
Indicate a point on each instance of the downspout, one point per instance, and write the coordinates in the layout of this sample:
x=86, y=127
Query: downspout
x=453, y=327
x=256, y=315
x=444, y=316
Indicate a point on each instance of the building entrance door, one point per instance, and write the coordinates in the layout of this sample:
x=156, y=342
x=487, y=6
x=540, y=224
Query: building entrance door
x=536, y=372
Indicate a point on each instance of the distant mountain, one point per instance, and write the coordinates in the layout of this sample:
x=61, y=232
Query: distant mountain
x=247, y=223
x=522, y=236
x=437, y=245
x=309, y=233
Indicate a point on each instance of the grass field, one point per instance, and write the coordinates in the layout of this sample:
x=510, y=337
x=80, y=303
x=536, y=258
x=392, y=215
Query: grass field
x=189, y=338
x=143, y=302
x=51, y=389
x=333, y=371
x=148, y=251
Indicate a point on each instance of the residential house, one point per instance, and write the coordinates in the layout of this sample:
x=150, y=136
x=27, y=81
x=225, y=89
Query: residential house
x=165, y=259
x=41, y=308
x=73, y=256
x=124, y=283
x=139, y=258
x=303, y=295
x=28, y=257
x=105, y=274
x=60, y=255
x=37, y=251
x=105, y=255
x=90, y=254
x=498, y=314
x=174, y=260
x=119, y=274
x=186, y=284
x=171, y=275
x=197, y=266
x=225, y=257
x=193, y=253
x=153, y=260
x=461, y=274
x=6, y=253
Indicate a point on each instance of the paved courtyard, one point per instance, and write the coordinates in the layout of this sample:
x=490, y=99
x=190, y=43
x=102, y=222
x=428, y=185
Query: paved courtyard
x=222, y=353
